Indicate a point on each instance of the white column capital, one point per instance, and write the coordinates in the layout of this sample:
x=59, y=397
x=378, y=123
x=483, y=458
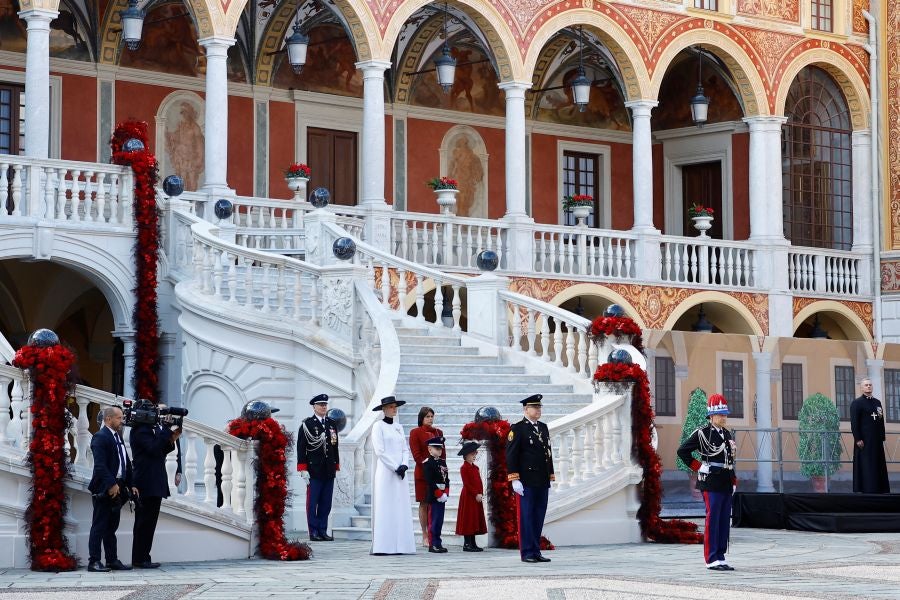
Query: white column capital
x=861, y=137
x=38, y=18
x=514, y=89
x=641, y=108
x=765, y=122
x=373, y=68
x=217, y=45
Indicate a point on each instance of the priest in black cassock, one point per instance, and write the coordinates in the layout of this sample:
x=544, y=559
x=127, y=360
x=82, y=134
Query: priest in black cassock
x=867, y=424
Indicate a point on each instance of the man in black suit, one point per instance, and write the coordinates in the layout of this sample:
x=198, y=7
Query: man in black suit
x=150, y=444
x=529, y=463
x=317, y=462
x=870, y=474
x=109, y=486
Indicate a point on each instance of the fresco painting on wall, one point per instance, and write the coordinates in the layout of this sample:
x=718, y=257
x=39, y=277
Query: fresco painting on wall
x=168, y=44
x=236, y=71
x=605, y=110
x=183, y=141
x=474, y=86
x=330, y=65
x=675, y=112
x=466, y=167
x=67, y=40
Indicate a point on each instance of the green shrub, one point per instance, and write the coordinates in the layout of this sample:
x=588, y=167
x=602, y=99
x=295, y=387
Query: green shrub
x=695, y=418
x=820, y=439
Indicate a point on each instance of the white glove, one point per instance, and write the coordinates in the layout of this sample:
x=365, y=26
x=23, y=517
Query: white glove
x=439, y=486
x=305, y=476
x=733, y=490
x=443, y=498
x=518, y=487
x=704, y=468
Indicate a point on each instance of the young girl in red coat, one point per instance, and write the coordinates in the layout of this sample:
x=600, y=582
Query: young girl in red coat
x=470, y=517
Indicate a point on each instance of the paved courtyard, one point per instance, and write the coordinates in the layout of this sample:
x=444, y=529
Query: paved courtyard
x=770, y=564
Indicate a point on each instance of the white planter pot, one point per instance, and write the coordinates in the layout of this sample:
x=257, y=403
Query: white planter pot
x=581, y=213
x=446, y=199
x=702, y=223
x=298, y=186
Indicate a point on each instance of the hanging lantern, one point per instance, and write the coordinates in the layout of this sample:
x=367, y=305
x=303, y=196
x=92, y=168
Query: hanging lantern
x=446, y=69
x=297, y=44
x=581, y=90
x=132, y=25
x=700, y=102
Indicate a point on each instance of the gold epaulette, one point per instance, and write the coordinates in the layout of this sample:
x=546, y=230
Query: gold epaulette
x=512, y=477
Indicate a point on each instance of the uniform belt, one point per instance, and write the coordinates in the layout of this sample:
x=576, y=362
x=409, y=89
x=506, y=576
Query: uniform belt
x=720, y=465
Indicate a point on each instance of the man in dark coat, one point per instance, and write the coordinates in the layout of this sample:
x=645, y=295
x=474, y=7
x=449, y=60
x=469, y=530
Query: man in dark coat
x=109, y=485
x=150, y=445
x=867, y=424
x=317, y=462
x=529, y=464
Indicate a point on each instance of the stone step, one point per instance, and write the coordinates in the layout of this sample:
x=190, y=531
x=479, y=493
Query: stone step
x=429, y=340
x=448, y=360
x=464, y=388
x=448, y=538
x=438, y=370
x=482, y=399
x=416, y=350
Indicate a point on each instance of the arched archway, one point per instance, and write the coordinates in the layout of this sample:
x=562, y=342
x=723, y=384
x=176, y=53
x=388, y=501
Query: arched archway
x=726, y=313
x=842, y=323
x=605, y=295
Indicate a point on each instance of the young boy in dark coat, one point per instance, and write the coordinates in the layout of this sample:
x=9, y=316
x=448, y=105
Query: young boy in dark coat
x=438, y=479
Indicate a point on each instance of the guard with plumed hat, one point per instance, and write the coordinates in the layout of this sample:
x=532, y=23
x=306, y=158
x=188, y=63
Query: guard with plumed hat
x=318, y=461
x=529, y=463
x=715, y=478
x=437, y=476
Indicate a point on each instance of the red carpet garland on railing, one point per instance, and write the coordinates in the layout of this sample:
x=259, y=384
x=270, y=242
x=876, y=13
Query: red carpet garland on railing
x=271, y=492
x=501, y=498
x=145, y=318
x=45, y=516
x=653, y=528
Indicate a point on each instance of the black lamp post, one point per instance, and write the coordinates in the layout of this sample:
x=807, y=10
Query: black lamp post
x=297, y=44
x=445, y=64
x=581, y=85
x=132, y=25
x=700, y=102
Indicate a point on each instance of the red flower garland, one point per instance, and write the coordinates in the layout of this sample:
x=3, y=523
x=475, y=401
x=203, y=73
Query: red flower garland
x=48, y=368
x=653, y=528
x=145, y=317
x=271, y=487
x=501, y=498
x=602, y=327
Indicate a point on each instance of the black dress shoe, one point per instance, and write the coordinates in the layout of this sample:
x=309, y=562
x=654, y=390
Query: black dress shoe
x=469, y=548
x=725, y=567
x=118, y=565
x=531, y=559
x=316, y=538
x=717, y=568
x=146, y=565
x=98, y=567
x=542, y=558
x=326, y=538
x=437, y=549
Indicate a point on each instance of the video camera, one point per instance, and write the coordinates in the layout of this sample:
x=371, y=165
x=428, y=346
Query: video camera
x=144, y=412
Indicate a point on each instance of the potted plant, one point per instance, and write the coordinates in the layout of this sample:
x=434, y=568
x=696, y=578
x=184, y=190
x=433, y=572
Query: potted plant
x=581, y=206
x=702, y=217
x=297, y=176
x=819, y=446
x=695, y=419
x=446, y=189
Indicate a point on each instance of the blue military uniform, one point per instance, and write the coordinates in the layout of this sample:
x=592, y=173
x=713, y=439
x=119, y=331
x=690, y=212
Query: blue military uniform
x=317, y=453
x=437, y=478
x=529, y=459
x=716, y=479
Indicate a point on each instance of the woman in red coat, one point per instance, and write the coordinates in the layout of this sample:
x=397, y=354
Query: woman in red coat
x=418, y=445
x=470, y=516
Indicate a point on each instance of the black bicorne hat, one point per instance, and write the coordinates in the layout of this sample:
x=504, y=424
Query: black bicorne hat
x=388, y=400
x=468, y=448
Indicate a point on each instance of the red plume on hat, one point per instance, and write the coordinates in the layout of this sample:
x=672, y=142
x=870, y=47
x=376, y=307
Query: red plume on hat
x=716, y=405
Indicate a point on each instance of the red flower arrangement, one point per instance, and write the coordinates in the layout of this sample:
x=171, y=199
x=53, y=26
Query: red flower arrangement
x=145, y=317
x=442, y=183
x=45, y=515
x=653, y=528
x=698, y=210
x=298, y=170
x=602, y=327
x=577, y=200
x=271, y=487
x=501, y=498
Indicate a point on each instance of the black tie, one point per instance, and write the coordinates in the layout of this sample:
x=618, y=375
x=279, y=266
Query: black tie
x=120, y=446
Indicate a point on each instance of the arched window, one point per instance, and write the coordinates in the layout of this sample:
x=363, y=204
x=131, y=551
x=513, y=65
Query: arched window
x=816, y=165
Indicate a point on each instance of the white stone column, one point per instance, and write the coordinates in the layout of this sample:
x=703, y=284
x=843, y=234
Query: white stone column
x=216, y=117
x=373, y=131
x=763, y=364
x=516, y=167
x=863, y=232
x=642, y=165
x=37, y=82
x=876, y=374
x=127, y=337
x=774, y=180
x=766, y=220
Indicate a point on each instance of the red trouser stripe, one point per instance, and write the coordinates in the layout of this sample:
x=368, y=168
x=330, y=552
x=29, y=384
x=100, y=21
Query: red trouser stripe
x=519, y=520
x=706, y=529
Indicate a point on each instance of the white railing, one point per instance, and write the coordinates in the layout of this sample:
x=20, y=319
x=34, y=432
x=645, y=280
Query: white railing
x=583, y=251
x=445, y=240
x=65, y=191
x=708, y=262
x=824, y=271
x=198, y=447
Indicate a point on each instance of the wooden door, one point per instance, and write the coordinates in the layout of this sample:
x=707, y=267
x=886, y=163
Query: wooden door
x=331, y=155
x=702, y=184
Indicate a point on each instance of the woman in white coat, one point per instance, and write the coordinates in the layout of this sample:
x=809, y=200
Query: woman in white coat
x=392, y=527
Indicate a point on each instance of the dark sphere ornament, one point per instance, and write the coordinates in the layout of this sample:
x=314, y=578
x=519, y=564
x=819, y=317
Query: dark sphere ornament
x=338, y=416
x=133, y=145
x=487, y=260
x=320, y=197
x=223, y=208
x=620, y=356
x=43, y=338
x=257, y=410
x=173, y=186
x=487, y=413
x=344, y=248
x=614, y=310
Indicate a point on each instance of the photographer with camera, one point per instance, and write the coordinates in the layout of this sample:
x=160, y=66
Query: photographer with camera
x=154, y=433
x=110, y=485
